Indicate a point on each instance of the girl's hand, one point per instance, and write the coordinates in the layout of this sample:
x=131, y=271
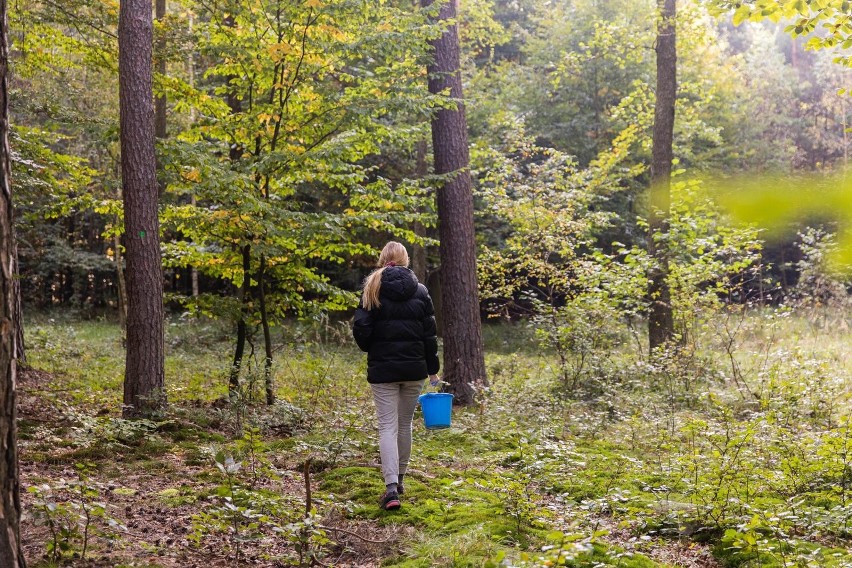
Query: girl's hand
x=434, y=380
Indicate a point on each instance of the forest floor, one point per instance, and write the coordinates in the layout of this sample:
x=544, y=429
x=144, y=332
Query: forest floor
x=737, y=454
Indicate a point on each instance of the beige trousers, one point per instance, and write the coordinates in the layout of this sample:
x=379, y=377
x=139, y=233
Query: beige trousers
x=395, y=404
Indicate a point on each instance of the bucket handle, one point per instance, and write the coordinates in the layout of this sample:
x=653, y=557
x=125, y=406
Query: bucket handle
x=426, y=385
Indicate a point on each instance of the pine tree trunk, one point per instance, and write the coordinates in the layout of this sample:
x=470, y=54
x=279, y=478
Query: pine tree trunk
x=661, y=319
x=464, y=361
x=144, y=375
x=11, y=555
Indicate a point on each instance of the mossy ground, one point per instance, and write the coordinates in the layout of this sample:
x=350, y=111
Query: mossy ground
x=619, y=474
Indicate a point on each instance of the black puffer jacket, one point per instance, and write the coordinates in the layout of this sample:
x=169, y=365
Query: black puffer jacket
x=400, y=337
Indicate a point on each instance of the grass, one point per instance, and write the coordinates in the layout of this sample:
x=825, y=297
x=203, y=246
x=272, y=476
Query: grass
x=638, y=464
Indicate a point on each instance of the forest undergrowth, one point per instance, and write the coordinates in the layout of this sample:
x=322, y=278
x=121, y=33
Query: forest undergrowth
x=735, y=449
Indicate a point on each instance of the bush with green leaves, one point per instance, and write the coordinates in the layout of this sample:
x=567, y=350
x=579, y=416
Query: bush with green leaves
x=110, y=432
x=823, y=286
x=246, y=513
x=541, y=257
x=74, y=512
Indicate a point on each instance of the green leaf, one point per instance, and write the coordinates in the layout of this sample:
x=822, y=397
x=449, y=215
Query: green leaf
x=741, y=14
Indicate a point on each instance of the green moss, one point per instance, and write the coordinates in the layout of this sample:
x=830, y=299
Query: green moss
x=469, y=549
x=460, y=521
x=177, y=496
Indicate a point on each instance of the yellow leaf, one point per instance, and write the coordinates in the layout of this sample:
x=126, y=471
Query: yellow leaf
x=279, y=51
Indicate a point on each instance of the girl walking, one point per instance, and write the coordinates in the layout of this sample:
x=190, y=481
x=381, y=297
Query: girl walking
x=395, y=325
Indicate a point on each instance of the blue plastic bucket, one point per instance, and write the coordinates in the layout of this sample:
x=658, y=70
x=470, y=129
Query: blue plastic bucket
x=437, y=409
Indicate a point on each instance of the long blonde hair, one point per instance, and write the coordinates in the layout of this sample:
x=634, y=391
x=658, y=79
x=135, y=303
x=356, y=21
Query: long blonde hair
x=394, y=254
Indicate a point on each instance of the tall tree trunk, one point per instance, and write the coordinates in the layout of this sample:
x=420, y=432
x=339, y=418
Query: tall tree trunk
x=661, y=319
x=267, y=336
x=244, y=293
x=190, y=70
x=160, y=103
x=464, y=361
x=144, y=374
x=193, y=272
x=242, y=329
x=11, y=554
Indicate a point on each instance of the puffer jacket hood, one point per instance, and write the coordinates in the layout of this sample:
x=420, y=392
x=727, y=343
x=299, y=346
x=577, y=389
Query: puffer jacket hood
x=398, y=283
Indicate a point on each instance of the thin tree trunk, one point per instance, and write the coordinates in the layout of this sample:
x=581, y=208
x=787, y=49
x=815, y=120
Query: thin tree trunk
x=661, y=319
x=11, y=554
x=267, y=336
x=193, y=272
x=464, y=361
x=275, y=90
x=242, y=329
x=144, y=378
x=243, y=294
x=190, y=70
x=234, y=102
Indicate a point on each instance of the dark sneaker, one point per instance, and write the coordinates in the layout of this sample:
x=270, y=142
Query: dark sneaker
x=400, y=489
x=389, y=501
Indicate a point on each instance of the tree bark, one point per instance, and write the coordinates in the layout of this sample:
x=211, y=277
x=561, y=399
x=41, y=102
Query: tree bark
x=144, y=374
x=11, y=554
x=661, y=319
x=464, y=361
